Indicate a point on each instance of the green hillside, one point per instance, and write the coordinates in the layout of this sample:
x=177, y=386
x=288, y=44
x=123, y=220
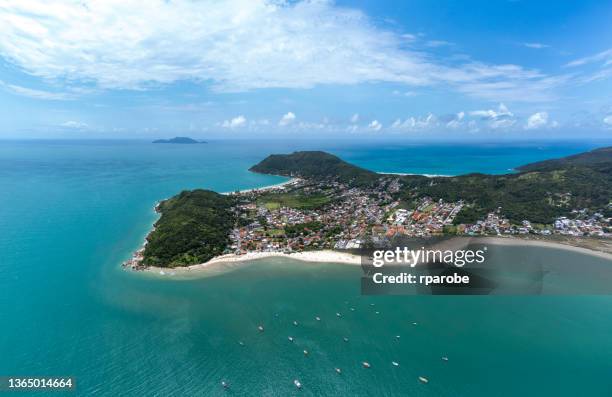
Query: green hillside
x=539, y=192
x=315, y=165
x=194, y=227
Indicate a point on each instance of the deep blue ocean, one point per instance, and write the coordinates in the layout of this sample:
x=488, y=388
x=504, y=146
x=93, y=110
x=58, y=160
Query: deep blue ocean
x=72, y=211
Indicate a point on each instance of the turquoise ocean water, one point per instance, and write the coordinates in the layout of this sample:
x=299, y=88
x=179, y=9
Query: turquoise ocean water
x=70, y=212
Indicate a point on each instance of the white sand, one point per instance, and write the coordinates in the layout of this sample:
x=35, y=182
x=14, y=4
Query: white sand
x=224, y=262
x=270, y=187
x=516, y=242
x=406, y=174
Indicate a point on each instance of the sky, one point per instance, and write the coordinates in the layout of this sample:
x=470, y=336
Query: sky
x=415, y=69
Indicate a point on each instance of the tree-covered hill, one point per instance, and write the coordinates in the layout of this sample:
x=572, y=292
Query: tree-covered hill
x=315, y=165
x=539, y=192
x=598, y=159
x=193, y=228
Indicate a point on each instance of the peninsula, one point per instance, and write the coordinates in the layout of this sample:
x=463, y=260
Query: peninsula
x=334, y=205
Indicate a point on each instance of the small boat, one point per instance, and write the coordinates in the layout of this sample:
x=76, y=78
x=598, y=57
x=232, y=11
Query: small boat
x=260, y=328
x=397, y=336
x=224, y=384
x=366, y=364
x=444, y=358
x=241, y=343
x=345, y=339
x=371, y=304
x=290, y=339
x=377, y=312
x=297, y=383
x=423, y=379
x=395, y=363
x=305, y=352
x=318, y=318
x=352, y=309
x=338, y=370
x=295, y=323
x=415, y=323
x=338, y=315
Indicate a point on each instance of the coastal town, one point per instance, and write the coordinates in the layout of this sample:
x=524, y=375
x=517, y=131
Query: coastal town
x=333, y=207
x=353, y=217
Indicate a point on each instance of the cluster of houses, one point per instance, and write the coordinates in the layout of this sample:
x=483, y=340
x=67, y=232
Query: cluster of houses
x=584, y=224
x=428, y=218
x=342, y=224
x=355, y=216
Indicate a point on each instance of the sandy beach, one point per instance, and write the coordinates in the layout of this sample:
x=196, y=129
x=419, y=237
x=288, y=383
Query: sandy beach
x=281, y=185
x=225, y=262
x=228, y=262
x=587, y=246
x=407, y=174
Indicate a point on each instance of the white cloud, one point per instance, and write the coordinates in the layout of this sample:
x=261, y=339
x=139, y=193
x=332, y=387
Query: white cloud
x=608, y=120
x=287, y=119
x=355, y=118
x=235, y=45
x=404, y=93
x=537, y=46
x=537, y=120
x=438, y=43
x=236, y=122
x=375, y=125
x=502, y=123
x=456, y=121
x=416, y=123
x=500, y=118
x=501, y=112
x=36, y=94
x=603, y=56
x=77, y=125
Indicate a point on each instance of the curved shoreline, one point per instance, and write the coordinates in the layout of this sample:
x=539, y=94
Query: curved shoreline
x=231, y=260
x=410, y=174
x=564, y=245
x=268, y=187
x=224, y=263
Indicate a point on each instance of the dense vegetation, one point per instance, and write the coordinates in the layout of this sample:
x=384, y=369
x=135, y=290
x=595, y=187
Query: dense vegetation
x=538, y=192
x=302, y=228
x=315, y=165
x=194, y=227
x=295, y=200
x=599, y=160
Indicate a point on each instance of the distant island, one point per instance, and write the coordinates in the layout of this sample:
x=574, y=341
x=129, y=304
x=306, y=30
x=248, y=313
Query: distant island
x=333, y=205
x=179, y=140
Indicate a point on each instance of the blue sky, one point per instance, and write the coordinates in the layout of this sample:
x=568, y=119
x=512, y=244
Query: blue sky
x=254, y=68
